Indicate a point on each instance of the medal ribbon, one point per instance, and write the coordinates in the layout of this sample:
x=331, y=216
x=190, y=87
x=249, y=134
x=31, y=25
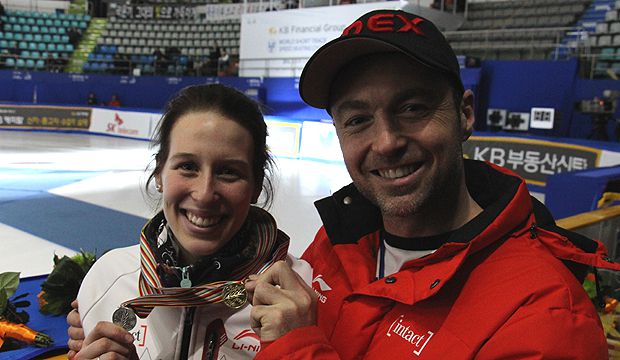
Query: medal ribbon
x=272, y=245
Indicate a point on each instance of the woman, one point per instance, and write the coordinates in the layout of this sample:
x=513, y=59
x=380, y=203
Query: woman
x=179, y=294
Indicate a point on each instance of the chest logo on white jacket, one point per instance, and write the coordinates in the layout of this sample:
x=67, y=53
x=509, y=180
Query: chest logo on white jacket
x=323, y=286
x=409, y=333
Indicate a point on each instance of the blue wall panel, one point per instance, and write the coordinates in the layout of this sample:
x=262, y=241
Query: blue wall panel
x=521, y=85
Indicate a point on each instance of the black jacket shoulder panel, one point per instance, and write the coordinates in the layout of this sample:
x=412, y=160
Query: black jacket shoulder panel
x=347, y=215
x=545, y=220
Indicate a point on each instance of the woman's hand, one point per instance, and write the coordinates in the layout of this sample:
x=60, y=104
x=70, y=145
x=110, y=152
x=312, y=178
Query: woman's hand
x=75, y=331
x=108, y=341
x=281, y=302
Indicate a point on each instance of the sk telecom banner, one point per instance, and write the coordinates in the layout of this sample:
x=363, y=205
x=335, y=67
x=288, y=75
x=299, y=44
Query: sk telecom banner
x=533, y=160
x=44, y=117
x=131, y=124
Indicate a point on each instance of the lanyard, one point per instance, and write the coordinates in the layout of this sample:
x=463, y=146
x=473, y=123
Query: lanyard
x=381, y=259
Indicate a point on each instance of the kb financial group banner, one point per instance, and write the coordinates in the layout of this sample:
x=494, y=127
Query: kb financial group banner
x=273, y=41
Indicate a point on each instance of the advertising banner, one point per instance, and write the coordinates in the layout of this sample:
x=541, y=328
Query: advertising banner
x=284, y=137
x=319, y=142
x=163, y=12
x=44, y=117
x=534, y=160
x=270, y=35
x=124, y=123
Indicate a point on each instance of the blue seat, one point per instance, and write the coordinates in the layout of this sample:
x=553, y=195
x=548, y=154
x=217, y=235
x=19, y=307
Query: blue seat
x=26, y=28
x=69, y=48
x=57, y=23
x=20, y=63
x=47, y=38
x=21, y=21
x=4, y=44
x=40, y=64
x=9, y=35
x=40, y=22
x=18, y=36
x=22, y=45
x=64, y=39
x=35, y=55
x=53, y=30
x=45, y=30
x=61, y=30
x=38, y=38
x=28, y=37
x=8, y=27
x=56, y=38
x=25, y=54
x=41, y=46
x=32, y=46
x=60, y=48
x=30, y=21
x=51, y=47
x=49, y=22
x=36, y=30
x=87, y=67
x=10, y=62
x=30, y=63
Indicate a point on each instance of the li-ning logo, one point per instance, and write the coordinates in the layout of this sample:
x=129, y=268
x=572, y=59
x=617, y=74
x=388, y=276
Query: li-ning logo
x=385, y=23
x=323, y=286
x=418, y=340
x=247, y=333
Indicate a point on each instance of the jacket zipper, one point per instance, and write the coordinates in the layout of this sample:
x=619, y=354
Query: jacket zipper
x=187, y=332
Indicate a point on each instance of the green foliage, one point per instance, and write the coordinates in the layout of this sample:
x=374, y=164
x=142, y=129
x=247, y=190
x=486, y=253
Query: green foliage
x=62, y=285
x=8, y=285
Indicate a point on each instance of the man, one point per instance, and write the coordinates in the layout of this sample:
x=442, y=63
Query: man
x=426, y=255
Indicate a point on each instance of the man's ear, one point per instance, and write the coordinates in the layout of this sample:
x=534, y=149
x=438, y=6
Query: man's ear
x=466, y=114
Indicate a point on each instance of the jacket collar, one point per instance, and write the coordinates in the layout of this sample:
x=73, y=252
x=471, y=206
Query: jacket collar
x=347, y=215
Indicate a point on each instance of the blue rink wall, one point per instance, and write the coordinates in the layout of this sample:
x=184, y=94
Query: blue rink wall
x=512, y=85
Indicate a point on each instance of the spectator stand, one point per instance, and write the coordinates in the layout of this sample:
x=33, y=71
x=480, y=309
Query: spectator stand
x=37, y=40
x=517, y=29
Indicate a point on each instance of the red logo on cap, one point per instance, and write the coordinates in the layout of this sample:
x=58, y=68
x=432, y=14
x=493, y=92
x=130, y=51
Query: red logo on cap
x=385, y=23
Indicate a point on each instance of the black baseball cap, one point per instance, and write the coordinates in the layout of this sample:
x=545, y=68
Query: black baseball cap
x=376, y=32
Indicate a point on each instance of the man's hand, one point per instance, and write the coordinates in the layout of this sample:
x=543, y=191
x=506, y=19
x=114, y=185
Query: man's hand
x=281, y=302
x=75, y=331
x=109, y=339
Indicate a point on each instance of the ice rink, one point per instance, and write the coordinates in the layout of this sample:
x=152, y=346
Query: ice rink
x=62, y=192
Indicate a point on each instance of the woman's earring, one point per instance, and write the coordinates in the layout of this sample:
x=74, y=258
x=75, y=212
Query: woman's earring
x=158, y=187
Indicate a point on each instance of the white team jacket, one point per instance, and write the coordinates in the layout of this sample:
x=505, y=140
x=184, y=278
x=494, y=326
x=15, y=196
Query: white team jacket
x=113, y=279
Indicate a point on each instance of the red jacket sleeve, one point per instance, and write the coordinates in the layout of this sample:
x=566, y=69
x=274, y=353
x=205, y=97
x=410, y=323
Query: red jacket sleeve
x=305, y=343
x=547, y=334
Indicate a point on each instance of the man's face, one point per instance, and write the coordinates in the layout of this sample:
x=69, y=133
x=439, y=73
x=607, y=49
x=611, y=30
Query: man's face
x=400, y=134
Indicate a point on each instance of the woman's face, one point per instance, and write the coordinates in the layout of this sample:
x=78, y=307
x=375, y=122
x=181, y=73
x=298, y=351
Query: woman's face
x=207, y=182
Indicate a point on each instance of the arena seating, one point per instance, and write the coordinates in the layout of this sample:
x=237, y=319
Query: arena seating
x=516, y=29
x=39, y=40
x=605, y=44
x=129, y=44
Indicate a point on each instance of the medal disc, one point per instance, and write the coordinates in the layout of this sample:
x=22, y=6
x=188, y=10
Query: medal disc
x=234, y=295
x=125, y=318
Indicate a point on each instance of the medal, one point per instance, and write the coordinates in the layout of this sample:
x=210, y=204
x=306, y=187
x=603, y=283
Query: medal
x=234, y=295
x=124, y=317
